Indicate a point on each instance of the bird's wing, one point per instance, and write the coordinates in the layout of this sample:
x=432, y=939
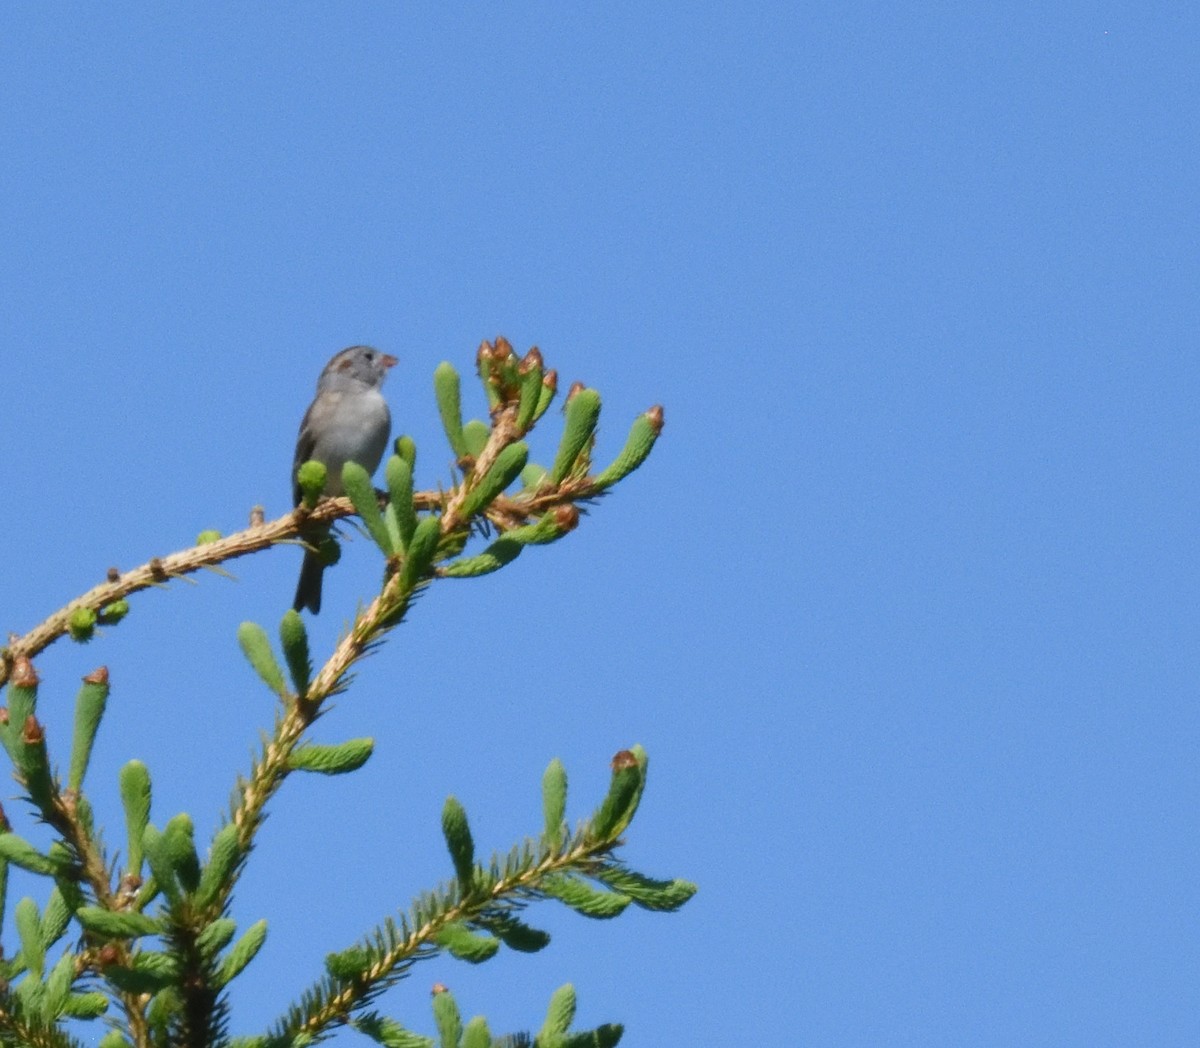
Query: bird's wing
x=305, y=443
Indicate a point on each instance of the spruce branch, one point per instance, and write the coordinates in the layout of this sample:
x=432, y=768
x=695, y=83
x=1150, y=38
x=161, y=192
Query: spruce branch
x=463, y=915
x=504, y=513
x=385, y=956
x=18, y=1030
x=175, y=994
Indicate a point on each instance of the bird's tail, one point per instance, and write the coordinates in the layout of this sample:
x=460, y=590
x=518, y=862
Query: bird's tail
x=308, y=589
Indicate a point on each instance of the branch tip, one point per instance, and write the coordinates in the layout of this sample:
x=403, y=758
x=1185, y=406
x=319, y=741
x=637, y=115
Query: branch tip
x=23, y=674
x=623, y=759
x=32, y=733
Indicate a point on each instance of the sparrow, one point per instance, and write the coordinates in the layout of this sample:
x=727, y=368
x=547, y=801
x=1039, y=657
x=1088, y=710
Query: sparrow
x=348, y=421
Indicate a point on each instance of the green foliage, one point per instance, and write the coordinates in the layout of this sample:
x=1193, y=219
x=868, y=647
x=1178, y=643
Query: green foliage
x=135, y=797
x=501, y=552
x=58, y=912
x=476, y=1034
x=623, y=795
x=464, y=944
x=223, y=857
x=406, y=449
x=357, y=483
x=421, y=549
x=584, y=899
x=116, y=924
x=293, y=638
x=311, y=478
x=388, y=1032
x=111, y=614
x=89, y=708
x=559, y=1015
x=257, y=649
x=447, y=388
x=650, y=894
x=448, y=1019
x=332, y=760
x=401, y=514
x=459, y=842
x=475, y=436
x=530, y=390
x=216, y=936
x=554, y=801
x=155, y=955
x=642, y=435
x=583, y=414
x=29, y=930
x=20, y=852
x=82, y=624
x=504, y=471
x=180, y=844
x=242, y=952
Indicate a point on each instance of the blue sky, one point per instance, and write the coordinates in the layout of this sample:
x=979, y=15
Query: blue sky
x=904, y=604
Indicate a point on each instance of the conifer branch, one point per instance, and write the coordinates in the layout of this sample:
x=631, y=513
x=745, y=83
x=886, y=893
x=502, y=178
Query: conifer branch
x=493, y=895
x=173, y=992
x=17, y=1031
x=505, y=513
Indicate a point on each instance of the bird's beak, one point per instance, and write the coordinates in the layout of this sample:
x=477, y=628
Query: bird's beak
x=389, y=361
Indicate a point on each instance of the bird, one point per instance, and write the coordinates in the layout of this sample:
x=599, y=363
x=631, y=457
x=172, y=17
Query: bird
x=348, y=421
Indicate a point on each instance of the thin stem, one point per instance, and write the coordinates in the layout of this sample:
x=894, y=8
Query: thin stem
x=505, y=512
x=422, y=941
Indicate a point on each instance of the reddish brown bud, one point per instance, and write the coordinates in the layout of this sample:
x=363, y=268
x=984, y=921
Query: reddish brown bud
x=23, y=674
x=157, y=569
x=32, y=733
x=531, y=360
x=3, y=715
x=258, y=516
x=566, y=517
x=550, y=379
x=503, y=348
x=110, y=953
x=5, y=825
x=97, y=676
x=576, y=387
x=655, y=416
x=483, y=353
x=439, y=988
x=623, y=759
x=113, y=575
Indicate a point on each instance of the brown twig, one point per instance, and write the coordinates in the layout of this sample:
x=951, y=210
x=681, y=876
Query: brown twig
x=504, y=513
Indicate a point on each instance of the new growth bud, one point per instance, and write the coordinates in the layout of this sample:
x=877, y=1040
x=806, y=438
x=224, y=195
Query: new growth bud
x=82, y=624
x=32, y=734
x=311, y=477
x=566, y=517
x=23, y=674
